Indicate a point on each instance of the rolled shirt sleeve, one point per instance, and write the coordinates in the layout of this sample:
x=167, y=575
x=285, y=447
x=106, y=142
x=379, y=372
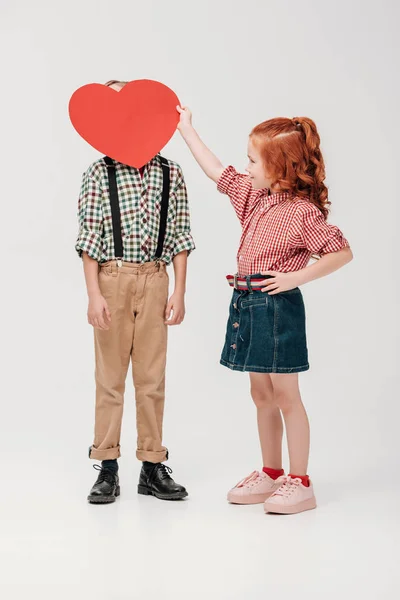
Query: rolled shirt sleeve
x=183, y=237
x=314, y=233
x=240, y=191
x=90, y=217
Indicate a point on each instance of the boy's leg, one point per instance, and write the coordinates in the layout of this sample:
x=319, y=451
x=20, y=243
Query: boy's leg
x=149, y=362
x=112, y=352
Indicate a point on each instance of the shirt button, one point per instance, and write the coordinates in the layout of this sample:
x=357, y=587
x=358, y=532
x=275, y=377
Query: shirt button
x=235, y=305
x=236, y=325
x=233, y=346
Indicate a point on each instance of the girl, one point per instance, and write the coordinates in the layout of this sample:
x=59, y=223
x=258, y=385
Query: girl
x=282, y=205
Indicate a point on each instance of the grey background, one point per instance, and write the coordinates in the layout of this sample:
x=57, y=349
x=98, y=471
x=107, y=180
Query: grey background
x=235, y=64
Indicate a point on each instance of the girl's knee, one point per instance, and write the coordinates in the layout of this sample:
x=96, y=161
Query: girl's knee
x=286, y=391
x=262, y=398
x=286, y=401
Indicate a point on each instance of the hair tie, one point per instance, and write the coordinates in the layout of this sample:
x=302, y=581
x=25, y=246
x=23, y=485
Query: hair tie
x=296, y=123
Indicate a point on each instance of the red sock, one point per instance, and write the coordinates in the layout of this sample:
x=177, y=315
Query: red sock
x=305, y=480
x=273, y=473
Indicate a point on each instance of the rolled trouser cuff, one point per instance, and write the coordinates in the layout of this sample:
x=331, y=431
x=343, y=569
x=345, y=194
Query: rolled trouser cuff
x=151, y=456
x=107, y=454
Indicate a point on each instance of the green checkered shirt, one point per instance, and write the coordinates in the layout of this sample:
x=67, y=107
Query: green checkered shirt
x=140, y=204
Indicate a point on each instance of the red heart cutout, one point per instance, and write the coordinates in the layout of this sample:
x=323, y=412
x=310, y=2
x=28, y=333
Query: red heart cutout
x=132, y=125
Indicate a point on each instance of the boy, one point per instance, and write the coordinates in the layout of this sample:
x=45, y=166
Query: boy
x=133, y=223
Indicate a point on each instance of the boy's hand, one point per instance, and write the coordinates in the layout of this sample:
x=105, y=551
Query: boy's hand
x=176, y=304
x=98, y=314
x=186, y=117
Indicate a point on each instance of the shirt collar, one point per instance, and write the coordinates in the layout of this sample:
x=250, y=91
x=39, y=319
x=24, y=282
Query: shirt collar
x=152, y=161
x=276, y=198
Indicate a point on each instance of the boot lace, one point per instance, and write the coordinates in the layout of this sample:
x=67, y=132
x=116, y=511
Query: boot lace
x=104, y=474
x=163, y=471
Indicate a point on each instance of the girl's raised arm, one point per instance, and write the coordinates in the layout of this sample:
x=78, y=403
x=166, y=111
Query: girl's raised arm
x=210, y=164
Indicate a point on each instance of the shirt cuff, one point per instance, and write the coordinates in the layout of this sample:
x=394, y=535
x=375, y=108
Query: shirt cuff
x=334, y=245
x=183, y=241
x=89, y=242
x=225, y=179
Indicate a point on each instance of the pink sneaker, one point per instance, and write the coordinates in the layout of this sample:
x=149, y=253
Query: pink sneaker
x=292, y=497
x=254, y=489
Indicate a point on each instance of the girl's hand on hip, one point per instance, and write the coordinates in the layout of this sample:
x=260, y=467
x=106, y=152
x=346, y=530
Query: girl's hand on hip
x=280, y=282
x=185, y=117
x=98, y=313
x=176, y=304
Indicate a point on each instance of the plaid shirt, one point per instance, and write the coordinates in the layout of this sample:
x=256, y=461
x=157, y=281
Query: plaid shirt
x=140, y=204
x=279, y=233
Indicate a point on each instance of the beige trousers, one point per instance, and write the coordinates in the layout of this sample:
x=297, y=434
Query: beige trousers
x=137, y=296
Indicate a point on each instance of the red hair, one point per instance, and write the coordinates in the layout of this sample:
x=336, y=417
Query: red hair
x=292, y=158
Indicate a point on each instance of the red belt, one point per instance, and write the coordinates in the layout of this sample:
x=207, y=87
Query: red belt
x=240, y=283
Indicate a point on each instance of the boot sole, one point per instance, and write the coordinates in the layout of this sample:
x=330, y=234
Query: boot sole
x=104, y=499
x=144, y=491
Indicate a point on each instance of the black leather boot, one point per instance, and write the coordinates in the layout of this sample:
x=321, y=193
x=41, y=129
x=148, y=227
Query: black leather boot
x=155, y=481
x=106, y=488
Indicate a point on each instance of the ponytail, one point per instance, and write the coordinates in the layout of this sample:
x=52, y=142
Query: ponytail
x=311, y=174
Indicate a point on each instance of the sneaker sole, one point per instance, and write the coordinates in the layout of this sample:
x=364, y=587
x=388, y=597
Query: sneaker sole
x=104, y=499
x=253, y=499
x=144, y=491
x=291, y=510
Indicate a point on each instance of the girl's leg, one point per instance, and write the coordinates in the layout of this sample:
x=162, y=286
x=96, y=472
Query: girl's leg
x=287, y=397
x=259, y=486
x=270, y=426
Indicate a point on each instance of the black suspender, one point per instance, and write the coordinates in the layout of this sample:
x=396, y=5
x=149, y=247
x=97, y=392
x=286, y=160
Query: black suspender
x=164, y=207
x=116, y=214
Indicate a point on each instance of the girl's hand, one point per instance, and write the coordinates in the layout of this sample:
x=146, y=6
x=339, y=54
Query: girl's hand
x=98, y=314
x=210, y=164
x=186, y=117
x=176, y=304
x=280, y=282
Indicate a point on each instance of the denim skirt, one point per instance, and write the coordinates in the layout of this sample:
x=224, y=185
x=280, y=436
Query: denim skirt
x=266, y=334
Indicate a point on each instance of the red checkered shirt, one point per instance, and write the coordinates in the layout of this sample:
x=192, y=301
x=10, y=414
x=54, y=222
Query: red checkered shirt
x=279, y=233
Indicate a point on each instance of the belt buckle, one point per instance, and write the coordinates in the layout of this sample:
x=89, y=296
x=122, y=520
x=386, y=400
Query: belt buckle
x=235, y=278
